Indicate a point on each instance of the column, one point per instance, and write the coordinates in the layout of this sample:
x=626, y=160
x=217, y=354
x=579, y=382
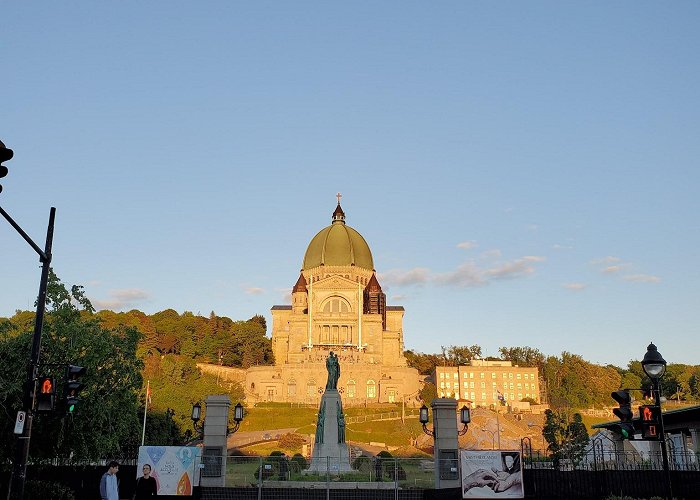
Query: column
x=215, y=449
x=446, y=444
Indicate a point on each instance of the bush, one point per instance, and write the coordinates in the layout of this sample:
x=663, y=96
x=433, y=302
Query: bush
x=291, y=440
x=362, y=464
x=47, y=490
x=298, y=462
x=384, y=454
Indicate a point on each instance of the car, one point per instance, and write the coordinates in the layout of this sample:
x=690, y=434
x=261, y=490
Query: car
x=267, y=437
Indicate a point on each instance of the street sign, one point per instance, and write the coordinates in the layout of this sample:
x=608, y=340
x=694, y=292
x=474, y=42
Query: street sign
x=19, y=423
x=650, y=415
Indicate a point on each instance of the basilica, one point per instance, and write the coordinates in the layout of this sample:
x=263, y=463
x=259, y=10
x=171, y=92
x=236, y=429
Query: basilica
x=337, y=306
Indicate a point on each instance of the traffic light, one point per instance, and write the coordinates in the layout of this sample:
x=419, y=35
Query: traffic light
x=650, y=415
x=46, y=394
x=624, y=413
x=5, y=154
x=73, y=386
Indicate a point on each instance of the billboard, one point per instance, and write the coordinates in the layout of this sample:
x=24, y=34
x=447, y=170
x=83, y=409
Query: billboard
x=491, y=474
x=175, y=468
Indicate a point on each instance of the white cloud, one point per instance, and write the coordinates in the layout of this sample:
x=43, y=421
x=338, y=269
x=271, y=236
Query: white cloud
x=514, y=269
x=606, y=260
x=415, y=276
x=120, y=299
x=642, y=278
x=254, y=290
x=557, y=246
x=466, y=275
x=612, y=269
x=575, y=286
x=467, y=245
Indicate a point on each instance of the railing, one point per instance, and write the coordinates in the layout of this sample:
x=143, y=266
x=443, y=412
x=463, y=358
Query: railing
x=392, y=415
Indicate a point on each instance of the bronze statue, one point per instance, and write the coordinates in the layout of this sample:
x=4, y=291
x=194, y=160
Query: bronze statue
x=333, y=368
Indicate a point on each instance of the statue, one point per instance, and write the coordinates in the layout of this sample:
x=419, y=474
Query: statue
x=320, y=422
x=333, y=368
x=341, y=423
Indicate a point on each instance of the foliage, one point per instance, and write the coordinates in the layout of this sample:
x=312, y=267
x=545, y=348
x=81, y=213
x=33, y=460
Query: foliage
x=566, y=437
x=424, y=363
x=291, y=440
x=362, y=463
x=105, y=421
x=300, y=462
x=47, y=490
x=215, y=339
x=428, y=392
x=522, y=356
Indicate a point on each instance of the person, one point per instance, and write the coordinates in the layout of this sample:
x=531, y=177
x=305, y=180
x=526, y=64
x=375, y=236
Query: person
x=284, y=468
x=109, y=486
x=378, y=469
x=146, y=486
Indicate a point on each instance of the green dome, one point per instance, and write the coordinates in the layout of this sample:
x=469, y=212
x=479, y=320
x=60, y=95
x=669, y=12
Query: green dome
x=338, y=245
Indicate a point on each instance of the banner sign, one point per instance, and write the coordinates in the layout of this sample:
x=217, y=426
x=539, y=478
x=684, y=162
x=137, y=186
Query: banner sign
x=491, y=474
x=173, y=467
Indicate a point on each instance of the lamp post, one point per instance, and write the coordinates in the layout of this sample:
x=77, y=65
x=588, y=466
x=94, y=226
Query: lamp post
x=464, y=418
x=493, y=437
x=197, y=415
x=654, y=365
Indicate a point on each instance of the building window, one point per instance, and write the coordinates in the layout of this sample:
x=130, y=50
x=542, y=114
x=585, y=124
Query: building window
x=351, y=389
x=466, y=385
x=455, y=375
x=493, y=374
x=471, y=385
x=505, y=375
x=465, y=375
x=511, y=385
x=310, y=388
x=442, y=375
x=520, y=395
x=518, y=376
x=512, y=396
x=336, y=305
x=483, y=385
x=520, y=386
x=483, y=396
x=371, y=389
x=471, y=374
x=456, y=395
x=482, y=374
x=510, y=376
x=442, y=385
x=292, y=388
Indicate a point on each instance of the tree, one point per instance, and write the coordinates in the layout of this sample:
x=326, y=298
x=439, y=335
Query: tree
x=566, y=437
x=105, y=422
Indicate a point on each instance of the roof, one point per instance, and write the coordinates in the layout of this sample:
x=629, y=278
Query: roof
x=338, y=245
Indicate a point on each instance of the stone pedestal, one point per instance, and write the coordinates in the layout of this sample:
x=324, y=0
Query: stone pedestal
x=446, y=443
x=328, y=454
x=214, y=447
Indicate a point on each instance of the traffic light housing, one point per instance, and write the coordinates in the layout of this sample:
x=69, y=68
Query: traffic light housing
x=624, y=413
x=5, y=155
x=73, y=386
x=46, y=394
x=650, y=415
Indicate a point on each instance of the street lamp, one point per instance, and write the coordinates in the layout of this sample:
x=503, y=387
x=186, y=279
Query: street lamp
x=464, y=418
x=237, y=417
x=196, y=416
x=531, y=425
x=654, y=365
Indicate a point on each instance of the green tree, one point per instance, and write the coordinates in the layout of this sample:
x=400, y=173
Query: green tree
x=566, y=436
x=105, y=421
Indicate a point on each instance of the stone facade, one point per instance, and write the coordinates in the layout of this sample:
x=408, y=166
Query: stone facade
x=337, y=305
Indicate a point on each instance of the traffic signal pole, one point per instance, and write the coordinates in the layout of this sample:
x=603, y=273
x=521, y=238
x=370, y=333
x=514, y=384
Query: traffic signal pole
x=662, y=438
x=19, y=470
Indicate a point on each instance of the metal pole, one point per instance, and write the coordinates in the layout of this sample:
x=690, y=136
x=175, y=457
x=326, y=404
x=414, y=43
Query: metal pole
x=498, y=428
x=662, y=437
x=19, y=472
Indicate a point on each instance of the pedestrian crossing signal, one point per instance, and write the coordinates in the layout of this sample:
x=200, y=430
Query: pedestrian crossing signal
x=650, y=415
x=46, y=394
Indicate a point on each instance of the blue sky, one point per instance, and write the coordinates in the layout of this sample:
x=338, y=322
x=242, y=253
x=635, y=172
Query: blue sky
x=525, y=173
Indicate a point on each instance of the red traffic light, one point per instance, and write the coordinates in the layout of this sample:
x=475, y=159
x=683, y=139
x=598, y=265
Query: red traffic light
x=46, y=396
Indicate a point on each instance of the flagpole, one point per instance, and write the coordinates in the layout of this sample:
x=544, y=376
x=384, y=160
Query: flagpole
x=145, y=411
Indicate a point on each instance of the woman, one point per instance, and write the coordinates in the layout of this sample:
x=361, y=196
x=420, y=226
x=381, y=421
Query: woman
x=146, y=486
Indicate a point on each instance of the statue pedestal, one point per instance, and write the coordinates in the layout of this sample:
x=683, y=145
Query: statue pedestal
x=330, y=455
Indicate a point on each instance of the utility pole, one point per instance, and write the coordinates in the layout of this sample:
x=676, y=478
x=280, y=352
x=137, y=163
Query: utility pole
x=19, y=470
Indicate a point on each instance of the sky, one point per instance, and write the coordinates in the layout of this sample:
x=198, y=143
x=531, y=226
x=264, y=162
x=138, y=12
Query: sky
x=525, y=173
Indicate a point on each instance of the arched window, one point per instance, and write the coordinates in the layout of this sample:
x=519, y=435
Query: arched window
x=310, y=387
x=336, y=304
x=351, y=389
x=371, y=389
x=291, y=388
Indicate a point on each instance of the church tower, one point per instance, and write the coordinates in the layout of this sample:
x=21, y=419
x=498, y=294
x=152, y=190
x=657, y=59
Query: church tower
x=337, y=305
